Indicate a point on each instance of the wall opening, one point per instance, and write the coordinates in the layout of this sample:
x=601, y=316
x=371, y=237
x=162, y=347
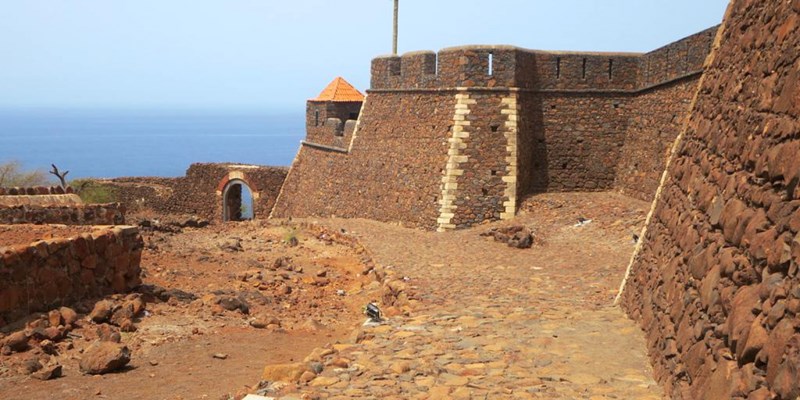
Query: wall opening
x=491, y=64
x=316, y=118
x=610, y=68
x=558, y=68
x=237, y=201
x=583, y=74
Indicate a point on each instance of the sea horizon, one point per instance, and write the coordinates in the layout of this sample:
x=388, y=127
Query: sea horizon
x=160, y=142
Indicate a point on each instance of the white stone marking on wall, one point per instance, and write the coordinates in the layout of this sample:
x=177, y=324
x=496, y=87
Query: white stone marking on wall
x=511, y=111
x=358, y=124
x=447, y=211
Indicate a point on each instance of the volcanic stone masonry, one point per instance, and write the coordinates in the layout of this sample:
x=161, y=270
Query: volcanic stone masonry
x=56, y=272
x=202, y=191
x=448, y=140
x=79, y=214
x=715, y=282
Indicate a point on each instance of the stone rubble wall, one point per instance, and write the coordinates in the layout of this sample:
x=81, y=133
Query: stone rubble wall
x=715, y=283
x=82, y=214
x=40, y=200
x=199, y=193
x=34, y=191
x=51, y=273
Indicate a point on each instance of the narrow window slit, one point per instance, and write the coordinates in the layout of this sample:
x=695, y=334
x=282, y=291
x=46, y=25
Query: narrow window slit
x=610, y=68
x=491, y=64
x=558, y=68
x=583, y=74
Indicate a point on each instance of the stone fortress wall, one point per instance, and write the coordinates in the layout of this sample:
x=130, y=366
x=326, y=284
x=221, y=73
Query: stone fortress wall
x=450, y=139
x=714, y=282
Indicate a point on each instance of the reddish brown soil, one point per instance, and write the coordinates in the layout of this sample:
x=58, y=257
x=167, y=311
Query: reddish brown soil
x=11, y=235
x=173, y=346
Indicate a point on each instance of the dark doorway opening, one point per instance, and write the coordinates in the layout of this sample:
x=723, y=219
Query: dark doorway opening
x=237, y=201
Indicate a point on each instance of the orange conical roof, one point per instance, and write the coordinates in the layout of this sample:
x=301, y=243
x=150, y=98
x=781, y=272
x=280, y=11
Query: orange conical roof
x=340, y=90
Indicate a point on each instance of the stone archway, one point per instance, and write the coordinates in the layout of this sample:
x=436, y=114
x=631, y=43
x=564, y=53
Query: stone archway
x=237, y=197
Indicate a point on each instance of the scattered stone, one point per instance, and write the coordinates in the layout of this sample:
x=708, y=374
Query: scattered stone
x=232, y=303
x=231, y=245
x=68, y=315
x=104, y=357
x=54, y=317
x=264, y=322
x=284, y=372
x=108, y=333
x=48, y=372
x=30, y=366
x=101, y=312
x=515, y=236
x=17, y=342
x=220, y=356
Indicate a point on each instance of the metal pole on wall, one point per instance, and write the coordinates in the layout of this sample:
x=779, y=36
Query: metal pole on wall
x=394, y=36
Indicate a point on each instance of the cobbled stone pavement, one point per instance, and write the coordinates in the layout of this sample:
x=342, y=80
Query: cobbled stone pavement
x=494, y=322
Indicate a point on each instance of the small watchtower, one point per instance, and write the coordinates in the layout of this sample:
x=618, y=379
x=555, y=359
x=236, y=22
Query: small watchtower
x=332, y=115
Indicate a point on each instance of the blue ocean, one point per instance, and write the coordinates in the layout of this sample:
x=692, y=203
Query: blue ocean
x=115, y=143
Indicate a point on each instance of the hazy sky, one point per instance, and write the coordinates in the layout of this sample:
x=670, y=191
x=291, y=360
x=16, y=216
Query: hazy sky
x=269, y=54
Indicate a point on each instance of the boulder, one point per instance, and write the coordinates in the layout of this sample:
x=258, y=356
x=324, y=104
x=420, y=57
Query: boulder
x=102, y=311
x=17, y=341
x=232, y=303
x=104, y=357
x=68, y=315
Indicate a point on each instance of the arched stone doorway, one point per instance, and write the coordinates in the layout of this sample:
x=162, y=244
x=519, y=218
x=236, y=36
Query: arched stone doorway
x=238, y=198
x=237, y=201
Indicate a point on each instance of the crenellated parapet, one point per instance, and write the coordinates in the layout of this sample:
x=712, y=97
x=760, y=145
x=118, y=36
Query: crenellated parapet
x=509, y=66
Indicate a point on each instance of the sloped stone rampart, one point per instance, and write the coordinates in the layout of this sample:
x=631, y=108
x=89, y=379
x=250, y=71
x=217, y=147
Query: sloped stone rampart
x=715, y=283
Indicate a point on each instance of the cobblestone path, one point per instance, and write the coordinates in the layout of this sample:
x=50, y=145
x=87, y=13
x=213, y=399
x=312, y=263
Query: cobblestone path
x=494, y=322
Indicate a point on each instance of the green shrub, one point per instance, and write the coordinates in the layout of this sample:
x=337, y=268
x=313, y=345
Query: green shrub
x=92, y=192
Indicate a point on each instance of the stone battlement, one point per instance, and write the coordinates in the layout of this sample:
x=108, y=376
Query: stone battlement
x=509, y=66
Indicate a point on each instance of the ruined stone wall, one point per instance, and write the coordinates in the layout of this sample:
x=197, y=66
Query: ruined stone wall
x=199, y=193
x=715, y=284
x=55, y=272
x=82, y=214
x=392, y=173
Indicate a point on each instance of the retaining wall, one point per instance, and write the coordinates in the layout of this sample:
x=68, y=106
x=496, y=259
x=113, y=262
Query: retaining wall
x=46, y=274
x=82, y=214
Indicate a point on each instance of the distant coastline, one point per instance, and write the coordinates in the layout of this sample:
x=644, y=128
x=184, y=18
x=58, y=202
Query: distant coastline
x=161, y=142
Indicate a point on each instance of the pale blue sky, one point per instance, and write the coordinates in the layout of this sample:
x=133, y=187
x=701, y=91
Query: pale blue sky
x=268, y=54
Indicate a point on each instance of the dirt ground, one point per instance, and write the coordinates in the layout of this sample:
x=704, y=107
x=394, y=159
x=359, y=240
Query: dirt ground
x=174, y=344
x=488, y=321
